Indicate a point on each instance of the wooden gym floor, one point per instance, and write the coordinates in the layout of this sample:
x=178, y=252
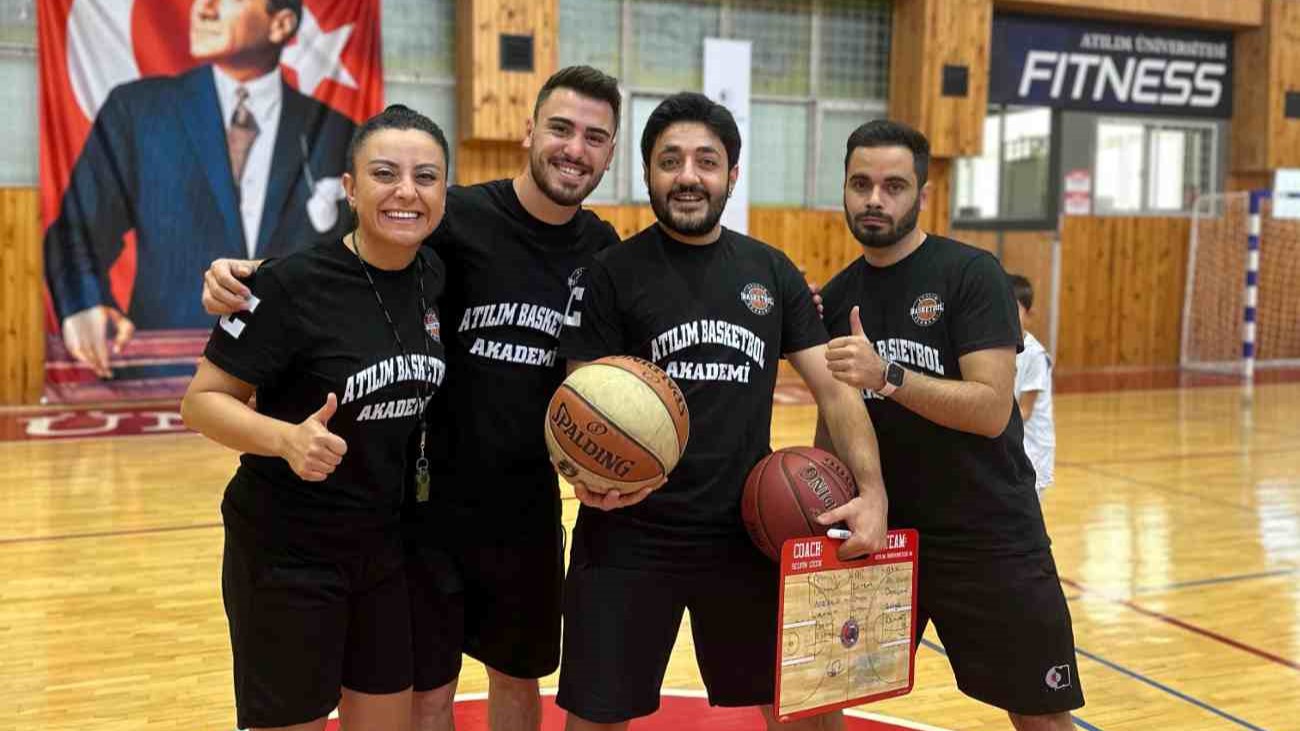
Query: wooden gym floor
x=1175, y=519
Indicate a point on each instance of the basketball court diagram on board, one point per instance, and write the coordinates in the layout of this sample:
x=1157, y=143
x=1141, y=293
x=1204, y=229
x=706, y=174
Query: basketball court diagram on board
x=846, y=631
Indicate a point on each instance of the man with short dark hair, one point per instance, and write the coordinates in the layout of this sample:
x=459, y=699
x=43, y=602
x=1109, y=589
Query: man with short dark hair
x=927, y=329
x=716, y=310
x=214, y=162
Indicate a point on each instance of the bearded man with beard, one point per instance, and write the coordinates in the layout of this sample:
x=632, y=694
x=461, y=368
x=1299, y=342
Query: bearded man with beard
x=485, y=544
x=927, y=330
x=716, y=310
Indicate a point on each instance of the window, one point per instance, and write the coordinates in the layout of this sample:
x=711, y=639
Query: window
x=820, y=68
x=1152, y=166
x=19, y=165
x=420, y=61
x=1010, y=180
x=18, y=23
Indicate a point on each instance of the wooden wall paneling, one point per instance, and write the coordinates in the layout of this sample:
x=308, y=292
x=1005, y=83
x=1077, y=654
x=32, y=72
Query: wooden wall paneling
x=1100, y=341
x=1069, y=349
x=1029, y=253
x=979, y=238
x=1284, y=76
x=1171, y=281
x=1085, y=257
x=1122, y=282
x=628, y=220
x=929, y=34
x=937, y=216
x=1132, y=296
x=1199, y=13
x=22, y=303
x=817, y=241
x=1248, y=136
x=492, y=103
x=1267, y=66
x=1247, y=181
x=478, y=162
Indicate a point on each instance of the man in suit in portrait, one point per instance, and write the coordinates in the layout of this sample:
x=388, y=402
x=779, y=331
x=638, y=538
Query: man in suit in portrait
x=224, y=160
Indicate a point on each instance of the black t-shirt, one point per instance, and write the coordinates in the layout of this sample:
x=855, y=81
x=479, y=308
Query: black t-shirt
x=510, y=287
x=317, y=328
x=947, y=299
x=717, y=319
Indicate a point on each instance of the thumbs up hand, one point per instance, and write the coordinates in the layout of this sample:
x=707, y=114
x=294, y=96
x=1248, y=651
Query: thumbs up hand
x=853, y=359
x=310, y=449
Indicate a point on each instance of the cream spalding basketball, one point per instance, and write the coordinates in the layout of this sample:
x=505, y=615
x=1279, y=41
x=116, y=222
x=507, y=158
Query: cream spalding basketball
x=618, y=423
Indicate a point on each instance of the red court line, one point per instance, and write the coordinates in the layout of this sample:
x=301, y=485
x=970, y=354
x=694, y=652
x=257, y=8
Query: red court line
x=1187, y=626
x=108, y=533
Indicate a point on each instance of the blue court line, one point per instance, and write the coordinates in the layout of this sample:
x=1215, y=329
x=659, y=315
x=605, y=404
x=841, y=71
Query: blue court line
x=1216, y=580
x=1183, y=696
x=1140, y=678
x=1077, y=721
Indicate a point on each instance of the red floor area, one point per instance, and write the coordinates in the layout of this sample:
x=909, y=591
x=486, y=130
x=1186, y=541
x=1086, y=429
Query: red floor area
x=1145, y=379
x=676, y=713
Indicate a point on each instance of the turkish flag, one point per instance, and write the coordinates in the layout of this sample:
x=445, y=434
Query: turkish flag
x=87, y=47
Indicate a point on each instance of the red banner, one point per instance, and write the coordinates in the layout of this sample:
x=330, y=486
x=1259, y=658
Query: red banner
x=142, y=185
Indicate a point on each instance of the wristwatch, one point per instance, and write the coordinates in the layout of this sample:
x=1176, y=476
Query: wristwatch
x=893, y=378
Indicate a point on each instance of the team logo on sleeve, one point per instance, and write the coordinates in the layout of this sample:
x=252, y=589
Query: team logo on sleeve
x=433, y=325
x=573, y=315
x=1058, y=677
x=927, y=309
x=757, y=298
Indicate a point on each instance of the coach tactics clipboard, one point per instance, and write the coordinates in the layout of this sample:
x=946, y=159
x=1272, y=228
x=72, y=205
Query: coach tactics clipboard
x=845, y=627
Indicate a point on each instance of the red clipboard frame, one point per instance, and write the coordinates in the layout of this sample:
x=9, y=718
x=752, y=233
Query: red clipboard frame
x=817, y=555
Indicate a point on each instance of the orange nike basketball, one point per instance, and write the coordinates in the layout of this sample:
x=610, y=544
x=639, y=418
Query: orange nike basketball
x=787, y=490
x=618, y=423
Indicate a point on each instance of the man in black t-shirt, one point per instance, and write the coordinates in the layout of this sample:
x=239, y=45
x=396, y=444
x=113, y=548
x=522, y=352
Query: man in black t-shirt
x=486, y=551
x=927, y=328
x=716, y=310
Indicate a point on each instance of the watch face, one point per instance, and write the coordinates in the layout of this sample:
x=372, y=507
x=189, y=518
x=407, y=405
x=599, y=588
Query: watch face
x=894, y=375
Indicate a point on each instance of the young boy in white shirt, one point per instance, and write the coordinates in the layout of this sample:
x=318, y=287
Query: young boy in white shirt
x=1034, y=391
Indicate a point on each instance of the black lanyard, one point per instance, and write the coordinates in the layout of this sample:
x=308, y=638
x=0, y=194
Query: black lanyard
x=423, y=391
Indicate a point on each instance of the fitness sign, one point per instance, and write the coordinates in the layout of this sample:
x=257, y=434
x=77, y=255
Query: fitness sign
x=1109, y=67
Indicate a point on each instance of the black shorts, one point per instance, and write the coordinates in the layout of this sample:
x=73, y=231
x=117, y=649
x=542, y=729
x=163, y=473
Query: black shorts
x=1006, y=628
x=302, y=626
x=620, y=625
x=497, y=602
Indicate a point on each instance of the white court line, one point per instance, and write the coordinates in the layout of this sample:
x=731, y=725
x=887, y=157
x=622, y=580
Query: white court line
x=798, y=661
x=793, y=625
x=890, y=719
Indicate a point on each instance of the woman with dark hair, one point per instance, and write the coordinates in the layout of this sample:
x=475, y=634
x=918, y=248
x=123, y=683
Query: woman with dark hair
x=342, y=345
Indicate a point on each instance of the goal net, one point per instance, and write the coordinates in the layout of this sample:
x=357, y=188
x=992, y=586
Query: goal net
x=1216, y=335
